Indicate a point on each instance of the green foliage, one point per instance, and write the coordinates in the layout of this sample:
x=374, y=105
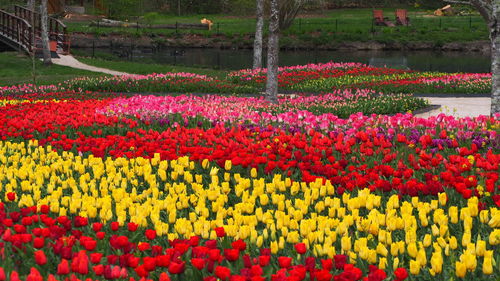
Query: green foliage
x=121, y=9
x=151, y=17
x=243, y=7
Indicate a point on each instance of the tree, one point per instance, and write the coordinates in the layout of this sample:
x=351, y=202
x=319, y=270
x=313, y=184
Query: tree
x=257, y=43
x=47, y=60
x=490, y=11
x=273, y=49
x=31, y=5
x=283, y=12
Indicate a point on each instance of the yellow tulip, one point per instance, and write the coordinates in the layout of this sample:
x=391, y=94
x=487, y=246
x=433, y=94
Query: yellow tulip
x=346, y=243
x=382, y=263
x=443, y=198
x=453, y=213
x=382, y=250
x=422, y=257
x=494, y=238
x=469, y=260
x=466, y=238
x=414, y=267
x=394, y=249
x=437, y=262
x=453, y=242
x=395, y=263
x=427, y=240
x=253, y=173
x=488, y=263
x=412, y=250
x=480, y=248
x=495, y=220
x=227, y=165
x=460, y=269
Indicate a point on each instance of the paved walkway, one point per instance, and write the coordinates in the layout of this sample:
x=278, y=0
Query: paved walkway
x=459, y=107
x=74, y=63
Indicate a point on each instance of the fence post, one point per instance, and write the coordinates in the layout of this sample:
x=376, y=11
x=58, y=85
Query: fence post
x=440, y=23
x=300, y=24
x=336, y=25
x=176, y=27
x=470, y=22
x=218, y=27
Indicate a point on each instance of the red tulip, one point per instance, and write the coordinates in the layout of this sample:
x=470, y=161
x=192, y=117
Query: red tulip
x=176, y=267
x=340, y=261
x=239, y=244
x=132, y=226
x=63, y=267
x=285, y=262
x=401, y=274
x=14, y=276
x=232, y=254
x=38, y=242
x=40, y=257
x=11, y=196
x=98, y=269
x=149, y=263
x=220, y=232
x=198, y=263
x=164, y=277
x=115, y=226
x=323, y=275
x=150, y=234
x=264, y=260
x=327, y=264
x=95, y=258
x=300, y=248
x=222, y=272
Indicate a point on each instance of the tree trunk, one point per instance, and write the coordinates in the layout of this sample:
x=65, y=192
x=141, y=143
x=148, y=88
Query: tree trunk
x=257, y=43
x=272, y=54
x=495, y=57
x=31, y=5
x=47, y=60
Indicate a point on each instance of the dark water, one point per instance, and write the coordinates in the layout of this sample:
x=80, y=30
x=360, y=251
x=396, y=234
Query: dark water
x=239, y=59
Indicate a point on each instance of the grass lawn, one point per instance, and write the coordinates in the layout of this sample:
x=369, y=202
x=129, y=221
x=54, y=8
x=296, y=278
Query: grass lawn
x=334, y=25
x=17, y=69
x=146, y=68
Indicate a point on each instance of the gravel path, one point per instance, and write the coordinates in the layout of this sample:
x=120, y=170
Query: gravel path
x=459, y=107
x=74, y=63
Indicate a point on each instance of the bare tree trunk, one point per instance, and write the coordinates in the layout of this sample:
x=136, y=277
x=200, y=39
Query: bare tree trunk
x=31, y=5
x=257, y=43
x=47, y=60
x=272, y=53
x=495, y=57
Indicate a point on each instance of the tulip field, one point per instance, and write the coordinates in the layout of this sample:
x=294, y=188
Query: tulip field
x=101, y=182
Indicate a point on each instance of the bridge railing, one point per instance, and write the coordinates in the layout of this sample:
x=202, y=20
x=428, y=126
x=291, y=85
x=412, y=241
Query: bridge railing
x=57, y=29
x=16, y=29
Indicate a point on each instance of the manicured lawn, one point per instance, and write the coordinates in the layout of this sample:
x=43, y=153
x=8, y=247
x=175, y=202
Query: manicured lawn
x=17, y=69
x=329, y=26
x=146, y=68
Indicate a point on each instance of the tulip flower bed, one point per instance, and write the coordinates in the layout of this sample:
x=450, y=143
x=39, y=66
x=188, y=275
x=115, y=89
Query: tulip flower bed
x=311, y=78
x=118, y=187
x=333, y=76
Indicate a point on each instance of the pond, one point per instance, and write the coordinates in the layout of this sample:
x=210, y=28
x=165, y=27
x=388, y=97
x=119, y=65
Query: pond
x=240, y=59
